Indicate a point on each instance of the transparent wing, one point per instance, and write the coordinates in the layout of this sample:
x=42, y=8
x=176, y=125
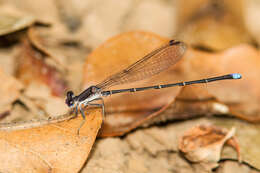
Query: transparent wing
x=151, y=64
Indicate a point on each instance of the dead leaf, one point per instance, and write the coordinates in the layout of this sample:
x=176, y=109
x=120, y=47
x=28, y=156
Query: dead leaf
x=18, y=113
x=191, y=101
x=237, y=98
x=10, y=24
x=241, y=96
x=123, y=115
x=46, y=47
x=31, y=68
x=203, y=144
x=54, y=147
x=113, y=56
x=10, y=90
x=247, y=135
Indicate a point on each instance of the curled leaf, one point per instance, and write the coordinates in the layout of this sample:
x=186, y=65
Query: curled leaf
x=10, y=23
x=39, y=41
x=204, y=143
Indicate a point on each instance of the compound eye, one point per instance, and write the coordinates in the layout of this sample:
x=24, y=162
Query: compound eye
x=69, y=99
x=70, y=94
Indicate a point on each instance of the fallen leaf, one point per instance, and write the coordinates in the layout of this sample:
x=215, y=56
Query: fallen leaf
x=54, y=147
x=10, y=90
x=31, y=68
x=46, y=47
x=247, y=135
x=115, y=55
x=123, y=115
x=10, y=24
x=191, y=101
x=203, y=144
x=241, y=96
x=62, y=51
x=18, y=112
x=236, y=98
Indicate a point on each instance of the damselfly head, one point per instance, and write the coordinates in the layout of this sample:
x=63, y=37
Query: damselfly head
x=70, y=99
x=174, y=42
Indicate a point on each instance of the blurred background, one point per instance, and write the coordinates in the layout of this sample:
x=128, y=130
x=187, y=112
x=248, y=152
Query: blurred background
x=39, y=64
x=211, y=24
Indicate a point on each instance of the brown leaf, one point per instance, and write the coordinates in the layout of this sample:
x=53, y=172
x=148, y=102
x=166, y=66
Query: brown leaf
x=125, y=112
x=10, y=90
x=31, y=68
x=115, y=55
x=203, y=144
x=238, y=98
x=241, y=96
x=54, y=147
x=192, y=101
x=40, y=42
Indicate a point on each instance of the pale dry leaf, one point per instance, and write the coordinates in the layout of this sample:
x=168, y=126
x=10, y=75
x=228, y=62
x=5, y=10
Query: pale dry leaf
x=203, y=144
x=10, y=23
x=18, y=113
x=54, y=147
x=10, y=90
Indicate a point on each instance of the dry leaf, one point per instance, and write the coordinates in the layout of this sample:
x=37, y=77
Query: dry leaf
x=41, y=43
x=125, y=112
x=10, y=91
x=10, y=23
x=64, y=52
x=241, y=96
x=115, y=55
x=54, y=147
x=31, y=68
x=203, y=144
x=192, y=101
x=247, y=135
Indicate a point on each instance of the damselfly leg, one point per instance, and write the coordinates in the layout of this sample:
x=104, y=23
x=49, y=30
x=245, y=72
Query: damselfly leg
x=102, y=105
x=83, y=116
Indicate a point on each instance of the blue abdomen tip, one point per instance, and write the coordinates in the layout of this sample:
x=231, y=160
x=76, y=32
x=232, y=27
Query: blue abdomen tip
x=236, y=76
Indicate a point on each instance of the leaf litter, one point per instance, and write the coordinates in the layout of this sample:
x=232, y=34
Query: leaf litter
x=133, y=153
